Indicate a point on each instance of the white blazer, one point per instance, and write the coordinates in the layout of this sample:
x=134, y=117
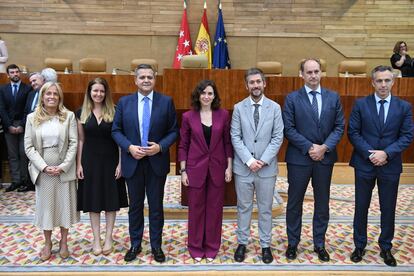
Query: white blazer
x=4, y=56
x=68, y=143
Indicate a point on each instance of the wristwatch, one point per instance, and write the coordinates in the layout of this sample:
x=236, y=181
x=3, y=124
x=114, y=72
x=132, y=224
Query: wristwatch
x=182, y=170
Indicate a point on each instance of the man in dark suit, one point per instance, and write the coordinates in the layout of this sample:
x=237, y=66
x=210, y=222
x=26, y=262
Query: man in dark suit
x=12, y=102
x=144, y=127
x=314, y=124
x=380, y=128
x=36, y=81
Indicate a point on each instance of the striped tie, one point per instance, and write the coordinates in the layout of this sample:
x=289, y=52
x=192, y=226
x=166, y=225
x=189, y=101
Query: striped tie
x=256, y=115
x=315, y=104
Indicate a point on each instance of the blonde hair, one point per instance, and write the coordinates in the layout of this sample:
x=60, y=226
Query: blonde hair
x=108, y=107
x=41, y=114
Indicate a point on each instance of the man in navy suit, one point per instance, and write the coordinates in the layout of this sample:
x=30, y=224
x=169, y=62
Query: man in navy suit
x=380, y=128
x=314, y=124
x=12, y=102
x=144, y=127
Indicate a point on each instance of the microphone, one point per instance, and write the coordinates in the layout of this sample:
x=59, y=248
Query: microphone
x=114, y=70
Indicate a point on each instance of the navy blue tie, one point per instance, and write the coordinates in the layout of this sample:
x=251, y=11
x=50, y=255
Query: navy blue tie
x=14, y=91
x=381, y=113
x=146, y=115
x=315, y=104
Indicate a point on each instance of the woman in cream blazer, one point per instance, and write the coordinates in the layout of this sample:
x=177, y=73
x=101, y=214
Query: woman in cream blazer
x=50, y=141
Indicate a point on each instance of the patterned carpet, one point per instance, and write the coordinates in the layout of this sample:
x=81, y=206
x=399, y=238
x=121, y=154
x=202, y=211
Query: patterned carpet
x=21, y=241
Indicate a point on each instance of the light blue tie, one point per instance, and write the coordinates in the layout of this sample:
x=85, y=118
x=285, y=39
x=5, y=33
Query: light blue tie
x=146, y=115
x=35, y=100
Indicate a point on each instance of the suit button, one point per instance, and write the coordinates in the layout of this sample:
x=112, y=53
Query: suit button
x=255, y=141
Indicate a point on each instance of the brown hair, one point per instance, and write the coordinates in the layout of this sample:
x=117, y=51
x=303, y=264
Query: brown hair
x=397, y=46
x=195, y=96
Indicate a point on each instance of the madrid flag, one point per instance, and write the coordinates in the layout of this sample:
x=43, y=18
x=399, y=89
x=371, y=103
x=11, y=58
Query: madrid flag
x=184, y=45
x=203, y=44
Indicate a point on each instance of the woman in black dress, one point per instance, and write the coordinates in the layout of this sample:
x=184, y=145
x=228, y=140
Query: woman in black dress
x=401, y=60
x=101, y=187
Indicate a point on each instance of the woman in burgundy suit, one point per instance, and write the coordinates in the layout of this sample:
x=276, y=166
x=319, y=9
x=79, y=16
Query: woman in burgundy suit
x=205, y=154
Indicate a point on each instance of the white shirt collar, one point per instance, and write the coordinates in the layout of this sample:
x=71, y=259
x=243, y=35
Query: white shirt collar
x=259, y=102
x=308, y=89
x=377, y=99
x=141, y=97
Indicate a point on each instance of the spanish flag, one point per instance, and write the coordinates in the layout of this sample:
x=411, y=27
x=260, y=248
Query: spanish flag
x=203, y=44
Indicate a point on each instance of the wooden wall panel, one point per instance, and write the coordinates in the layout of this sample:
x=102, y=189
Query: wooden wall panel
x=356, y=29
x=180, y=83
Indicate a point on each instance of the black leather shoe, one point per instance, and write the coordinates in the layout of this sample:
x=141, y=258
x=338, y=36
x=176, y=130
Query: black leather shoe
x=356, y=256
x=132, y=253
x=13, y=187
x=291, y=252
x=158, y=254
x=267, y=256
x=388, y=257
x=240, y=253
x=322, y=254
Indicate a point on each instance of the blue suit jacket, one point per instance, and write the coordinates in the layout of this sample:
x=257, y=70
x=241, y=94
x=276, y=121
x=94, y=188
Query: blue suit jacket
x=10, y=109
x=365, y=134
x=163, y=130
x=29, y=102
x=302, y=128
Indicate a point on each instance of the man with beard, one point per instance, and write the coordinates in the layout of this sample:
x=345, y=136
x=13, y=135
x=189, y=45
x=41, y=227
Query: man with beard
x=256, y=134
x=12, y=102
x=314, y=124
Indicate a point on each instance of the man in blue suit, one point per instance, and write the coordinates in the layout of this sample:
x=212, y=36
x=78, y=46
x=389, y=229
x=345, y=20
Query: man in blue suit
x=144, y=127
x=380, y=128
x=314, y=124
x=12, y=102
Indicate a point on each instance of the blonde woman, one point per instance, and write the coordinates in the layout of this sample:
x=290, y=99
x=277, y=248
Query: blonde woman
x=50, y=143
x=101, y=187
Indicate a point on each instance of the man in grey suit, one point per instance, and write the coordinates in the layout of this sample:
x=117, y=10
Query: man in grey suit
x=256, y=134
x=314, y=124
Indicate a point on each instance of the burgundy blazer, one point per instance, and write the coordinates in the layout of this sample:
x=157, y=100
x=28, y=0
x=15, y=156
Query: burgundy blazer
x=201, y=159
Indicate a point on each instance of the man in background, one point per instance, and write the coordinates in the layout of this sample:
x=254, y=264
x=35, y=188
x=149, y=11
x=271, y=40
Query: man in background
x=13, y=98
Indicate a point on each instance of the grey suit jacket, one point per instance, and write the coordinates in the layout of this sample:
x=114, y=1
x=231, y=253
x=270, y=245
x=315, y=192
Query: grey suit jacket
x=68, y=143
x=262, y=144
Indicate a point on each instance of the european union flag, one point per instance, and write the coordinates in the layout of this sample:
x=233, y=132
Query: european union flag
x=221, y=59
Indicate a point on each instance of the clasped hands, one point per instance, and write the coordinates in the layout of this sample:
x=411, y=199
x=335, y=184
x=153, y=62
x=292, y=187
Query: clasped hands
x=317, y=152
x=53, y=170
x=16, y=130
x=139, y=152
x=378, y=157
x=256, y=165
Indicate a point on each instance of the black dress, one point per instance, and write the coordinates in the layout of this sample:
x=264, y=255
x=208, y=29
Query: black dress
x=99, y=190
x=407, y=68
